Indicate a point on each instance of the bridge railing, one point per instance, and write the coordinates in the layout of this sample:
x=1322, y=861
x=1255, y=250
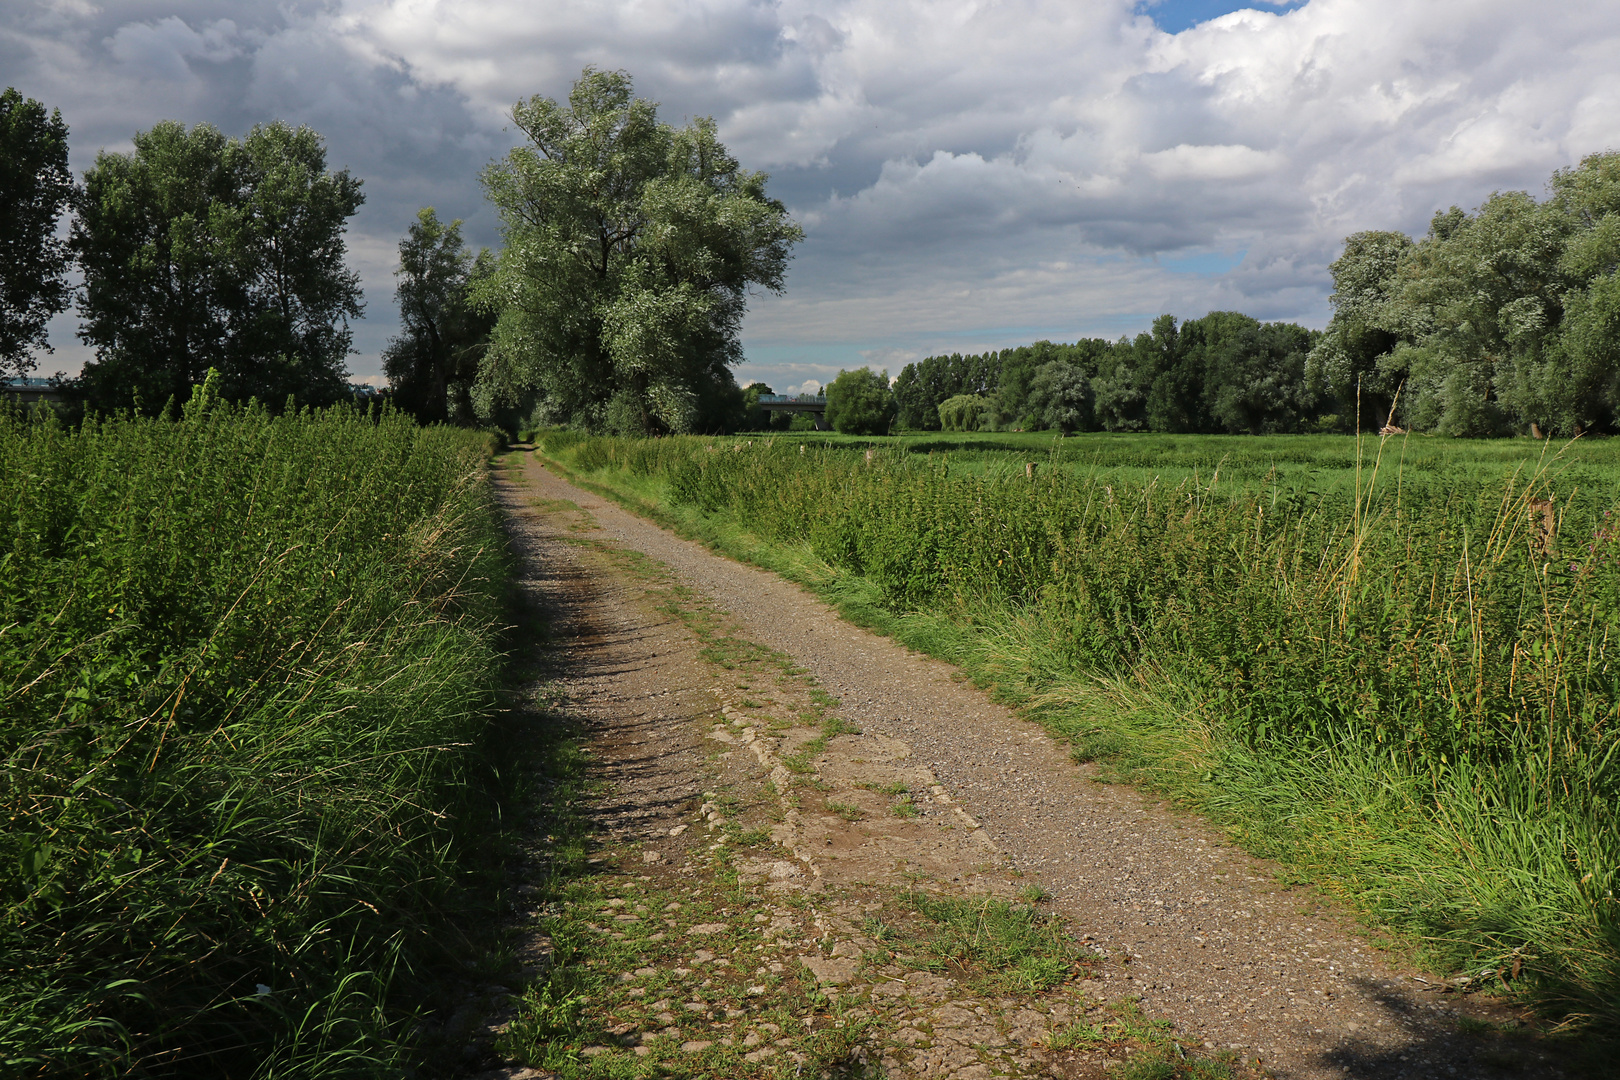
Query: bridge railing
x=793, y=399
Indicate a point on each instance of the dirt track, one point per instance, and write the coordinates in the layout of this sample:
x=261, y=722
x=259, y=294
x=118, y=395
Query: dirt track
x=1197, y=930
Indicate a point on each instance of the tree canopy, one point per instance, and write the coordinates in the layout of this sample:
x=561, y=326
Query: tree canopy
x=35, y=188
x=1499, y=320
x=432, y=362
x=965, y=412
x=201, y=251
x=859, y=402
x=1225, y=372
x=629, y=249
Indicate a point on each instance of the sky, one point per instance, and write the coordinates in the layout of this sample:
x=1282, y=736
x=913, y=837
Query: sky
x=970, y=174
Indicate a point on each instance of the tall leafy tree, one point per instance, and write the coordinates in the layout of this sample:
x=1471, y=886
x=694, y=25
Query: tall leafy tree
x=859, y=402
x=432, y=362
x=35, y=187
x=1254, y=373
x=1490, y=290
x=201, y=251
x=1369, y=320
x=1578, y=385
x=1174, y=377
x=629, y=249
x=1062, y=397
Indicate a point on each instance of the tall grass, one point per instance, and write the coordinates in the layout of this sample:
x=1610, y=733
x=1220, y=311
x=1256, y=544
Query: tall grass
x=1424, y=669
x=245, y=666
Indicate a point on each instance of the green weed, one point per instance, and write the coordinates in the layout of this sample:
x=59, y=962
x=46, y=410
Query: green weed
x=250, y=668
x=1022, y=951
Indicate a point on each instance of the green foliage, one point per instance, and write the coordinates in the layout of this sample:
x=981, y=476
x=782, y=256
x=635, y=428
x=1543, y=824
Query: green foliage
x=630, y=247
x=1224, y=372
x=966, y=412
x=1060, y=397
x=35, y=187
x=203, y=252
x=926, y=385
x=758, y=419
x=1491, y=322
x=247, y=664
x=432, y=363
x=860, y=403
x=1439, y=634
x=1254, y=373
x=1367, y=323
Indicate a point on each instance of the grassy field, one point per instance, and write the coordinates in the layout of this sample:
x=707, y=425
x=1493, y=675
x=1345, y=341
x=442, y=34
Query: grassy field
x=1396, y=674
x=248, y=667
x=1322, y=463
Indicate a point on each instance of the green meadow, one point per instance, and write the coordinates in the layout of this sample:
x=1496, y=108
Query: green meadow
x=1308, y=462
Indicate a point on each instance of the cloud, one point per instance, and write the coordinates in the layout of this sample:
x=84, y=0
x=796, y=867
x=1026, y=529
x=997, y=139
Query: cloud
x=970, y=175
x=164, y=49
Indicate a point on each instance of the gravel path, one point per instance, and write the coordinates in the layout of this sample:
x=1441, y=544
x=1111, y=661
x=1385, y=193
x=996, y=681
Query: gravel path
x=1214, y=944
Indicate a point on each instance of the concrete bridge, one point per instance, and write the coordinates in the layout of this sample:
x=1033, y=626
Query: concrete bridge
x=814, y=404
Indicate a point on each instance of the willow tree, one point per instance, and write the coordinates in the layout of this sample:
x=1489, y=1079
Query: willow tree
x=629, y=248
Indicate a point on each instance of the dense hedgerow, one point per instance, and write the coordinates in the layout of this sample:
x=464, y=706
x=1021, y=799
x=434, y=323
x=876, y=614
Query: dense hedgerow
x=245, y=663
x=1459, y=638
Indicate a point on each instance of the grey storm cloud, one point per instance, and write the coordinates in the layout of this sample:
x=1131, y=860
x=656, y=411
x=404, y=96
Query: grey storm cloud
x=969, y=173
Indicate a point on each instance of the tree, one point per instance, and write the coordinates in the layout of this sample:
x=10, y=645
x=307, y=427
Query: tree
x=860, y=403
x=1578, y=383
x=432, y=363
x=966, y=412
x=1491, y=290
x=200, y=251
x=1062, y=397
x=1254, y=372
x=35, y=187
x=629, y=249
x=1174, y=377
x=1369, y=320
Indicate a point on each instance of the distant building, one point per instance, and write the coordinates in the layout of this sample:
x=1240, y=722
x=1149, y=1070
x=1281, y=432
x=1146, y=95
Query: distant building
x=29, y=392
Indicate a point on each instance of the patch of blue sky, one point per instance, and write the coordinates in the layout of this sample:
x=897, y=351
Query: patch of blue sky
x=1174, y=16
x=1208, y=263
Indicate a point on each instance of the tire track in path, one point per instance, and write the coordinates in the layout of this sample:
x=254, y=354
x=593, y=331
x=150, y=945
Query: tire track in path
x=1213, y=943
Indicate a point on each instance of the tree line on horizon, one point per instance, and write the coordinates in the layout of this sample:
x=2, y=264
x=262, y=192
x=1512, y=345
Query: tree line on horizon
x=616, y=300
x=1504, y=321
x=1225, y=372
